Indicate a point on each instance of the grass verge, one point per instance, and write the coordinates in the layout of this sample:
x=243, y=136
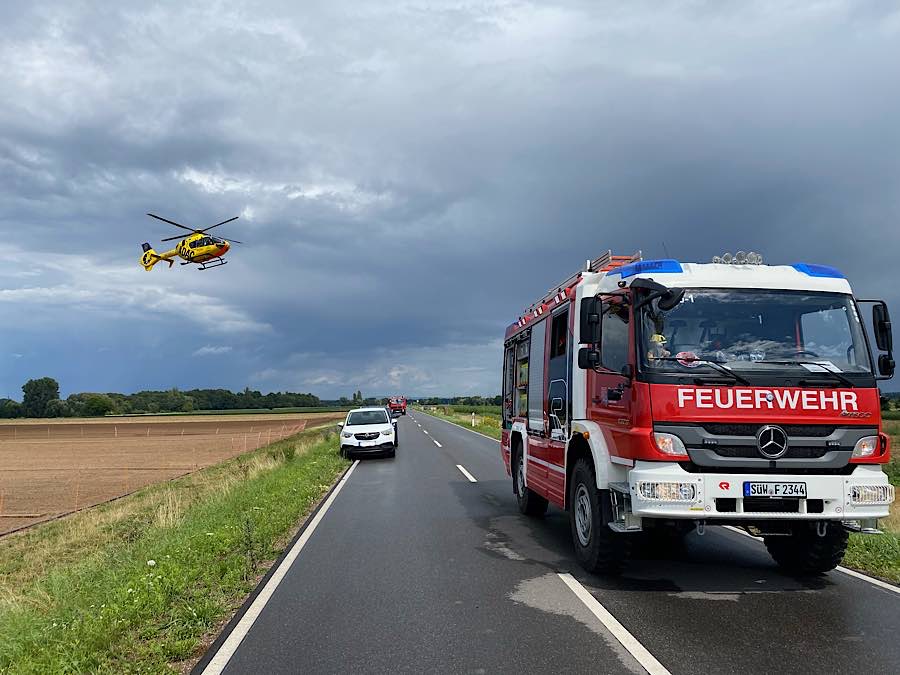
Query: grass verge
x=487, y=421
x=880, y=554
x=136, y=585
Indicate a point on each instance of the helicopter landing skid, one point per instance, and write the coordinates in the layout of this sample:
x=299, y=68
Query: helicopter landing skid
x=218, y=262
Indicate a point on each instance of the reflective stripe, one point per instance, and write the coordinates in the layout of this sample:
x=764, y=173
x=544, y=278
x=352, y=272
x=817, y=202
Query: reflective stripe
x=554, y=467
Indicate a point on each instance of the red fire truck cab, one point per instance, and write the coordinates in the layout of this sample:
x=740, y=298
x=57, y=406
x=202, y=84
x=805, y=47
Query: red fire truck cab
x=658, y=397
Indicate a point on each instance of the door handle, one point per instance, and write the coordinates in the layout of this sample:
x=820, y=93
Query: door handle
x=615, y=394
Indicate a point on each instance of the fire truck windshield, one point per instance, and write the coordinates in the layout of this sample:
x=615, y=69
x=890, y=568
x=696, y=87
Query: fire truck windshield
x=750, y=330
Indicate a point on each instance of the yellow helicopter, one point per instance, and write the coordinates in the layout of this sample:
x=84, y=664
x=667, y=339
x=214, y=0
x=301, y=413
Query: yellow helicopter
x=201, y=249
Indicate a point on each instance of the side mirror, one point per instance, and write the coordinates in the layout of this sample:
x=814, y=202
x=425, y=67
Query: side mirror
x=591, y=318
x=588, y=358
x=671, y=300
x=886, y=365
x=881, y=322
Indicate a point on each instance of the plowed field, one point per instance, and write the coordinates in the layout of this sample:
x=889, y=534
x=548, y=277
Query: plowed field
x=49, y=468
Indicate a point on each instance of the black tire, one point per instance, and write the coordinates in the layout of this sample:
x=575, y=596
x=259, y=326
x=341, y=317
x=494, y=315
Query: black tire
x=530, y=502
x=805, y=552
x=598, y=549
x=392, y=453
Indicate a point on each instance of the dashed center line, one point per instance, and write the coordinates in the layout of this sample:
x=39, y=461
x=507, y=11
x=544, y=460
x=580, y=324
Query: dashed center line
x=425, y=430
x=466, y=473
x=437, y=444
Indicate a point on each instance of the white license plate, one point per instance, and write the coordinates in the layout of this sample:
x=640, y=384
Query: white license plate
x=775, y=489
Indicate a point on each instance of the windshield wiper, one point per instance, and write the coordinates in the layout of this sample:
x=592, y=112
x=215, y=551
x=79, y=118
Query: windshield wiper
x=837, y=377
x=715, y=365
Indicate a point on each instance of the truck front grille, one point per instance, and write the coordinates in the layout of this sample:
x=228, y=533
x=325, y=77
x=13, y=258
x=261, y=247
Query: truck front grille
x=799, y=452
x=792, y=430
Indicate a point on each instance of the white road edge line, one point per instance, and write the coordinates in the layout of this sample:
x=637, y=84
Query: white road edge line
x=839, y=568
x=218, y=663
x=437, y=444
x=636, y=649
x=466, y=473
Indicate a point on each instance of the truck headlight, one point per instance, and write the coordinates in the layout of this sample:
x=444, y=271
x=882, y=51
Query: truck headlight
x=872, y=494
x=347, y=435
x=667, y=491
x=670, y=444
x=866, y=446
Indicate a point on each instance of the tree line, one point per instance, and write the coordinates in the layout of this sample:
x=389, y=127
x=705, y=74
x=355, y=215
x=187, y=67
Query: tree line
x=462, y=400
x=41, y=399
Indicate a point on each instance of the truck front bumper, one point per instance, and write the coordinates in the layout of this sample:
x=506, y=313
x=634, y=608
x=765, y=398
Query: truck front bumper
x=666, y=490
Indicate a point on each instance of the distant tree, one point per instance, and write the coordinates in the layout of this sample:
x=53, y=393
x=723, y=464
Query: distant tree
x=10, y=409
x=97, y=405
x=57, y=408
x=38, y=395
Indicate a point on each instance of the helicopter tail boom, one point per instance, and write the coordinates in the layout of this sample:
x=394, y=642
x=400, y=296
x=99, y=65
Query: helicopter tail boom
x=151, y=257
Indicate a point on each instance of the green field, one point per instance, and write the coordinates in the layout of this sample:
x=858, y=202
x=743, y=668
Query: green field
x=487, y=418
x=143, y=583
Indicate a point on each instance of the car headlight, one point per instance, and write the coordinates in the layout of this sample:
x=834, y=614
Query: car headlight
x=387, y=432
x=670, y=444
x=866, y=446
x=347, y=435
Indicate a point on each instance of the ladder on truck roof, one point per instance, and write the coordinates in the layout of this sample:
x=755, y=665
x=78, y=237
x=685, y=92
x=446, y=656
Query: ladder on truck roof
x=605, y=263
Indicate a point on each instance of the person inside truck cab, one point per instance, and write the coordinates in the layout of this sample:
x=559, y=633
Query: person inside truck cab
x=657, y=348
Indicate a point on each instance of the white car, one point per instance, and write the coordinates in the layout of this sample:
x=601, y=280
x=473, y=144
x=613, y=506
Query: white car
x=368, y=431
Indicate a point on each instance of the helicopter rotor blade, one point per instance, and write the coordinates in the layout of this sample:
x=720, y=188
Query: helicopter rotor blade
x=172, y=222
x=217, y=224
x=179, y=236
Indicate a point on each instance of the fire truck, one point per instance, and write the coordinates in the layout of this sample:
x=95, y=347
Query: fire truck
x=397, y=404
x=651, y=398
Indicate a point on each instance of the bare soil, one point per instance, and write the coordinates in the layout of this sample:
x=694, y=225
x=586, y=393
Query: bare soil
x=49, y=468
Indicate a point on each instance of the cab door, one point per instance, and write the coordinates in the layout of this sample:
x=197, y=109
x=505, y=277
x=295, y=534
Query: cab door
x=559, y=402
x=610, y=388
x=536, y=470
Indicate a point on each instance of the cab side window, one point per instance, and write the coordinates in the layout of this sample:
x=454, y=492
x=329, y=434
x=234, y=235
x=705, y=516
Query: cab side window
x=614, y=338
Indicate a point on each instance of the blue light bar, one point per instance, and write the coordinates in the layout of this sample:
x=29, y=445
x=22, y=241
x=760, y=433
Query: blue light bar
x=818, y=270
x=665, y=266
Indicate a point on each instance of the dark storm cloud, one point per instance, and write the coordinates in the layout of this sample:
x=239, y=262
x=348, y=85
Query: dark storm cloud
x=410, y=175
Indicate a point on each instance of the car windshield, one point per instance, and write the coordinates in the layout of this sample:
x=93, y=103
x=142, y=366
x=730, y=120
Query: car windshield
x=364, y=417
x=751, y=329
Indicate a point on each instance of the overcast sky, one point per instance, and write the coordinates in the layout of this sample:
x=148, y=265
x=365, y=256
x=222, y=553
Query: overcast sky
x=409, y=175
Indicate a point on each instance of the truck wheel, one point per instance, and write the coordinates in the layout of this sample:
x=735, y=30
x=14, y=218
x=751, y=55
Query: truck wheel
x=805, y=552
x=530, y=502
x=598, y=548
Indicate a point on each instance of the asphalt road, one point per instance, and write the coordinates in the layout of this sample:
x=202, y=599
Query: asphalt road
x=414, y=568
